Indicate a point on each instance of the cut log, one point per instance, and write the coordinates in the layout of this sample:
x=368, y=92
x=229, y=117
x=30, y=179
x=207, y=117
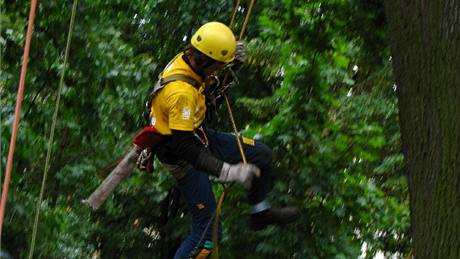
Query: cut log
x=121, y=171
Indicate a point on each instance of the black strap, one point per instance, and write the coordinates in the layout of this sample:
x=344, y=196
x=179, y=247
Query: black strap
x=163, y=82
x=179, y=77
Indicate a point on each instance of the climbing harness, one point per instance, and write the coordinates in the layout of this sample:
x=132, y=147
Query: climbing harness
x=161, y=82
x=201, y=135
x=148, y=142
x=204, y=252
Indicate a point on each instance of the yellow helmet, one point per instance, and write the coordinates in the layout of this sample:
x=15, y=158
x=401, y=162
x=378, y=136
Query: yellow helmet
x=215, y=40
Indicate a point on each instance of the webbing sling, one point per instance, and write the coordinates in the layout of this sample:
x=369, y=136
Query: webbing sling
x=179, y=77
x=176, y=77
x=164, y=81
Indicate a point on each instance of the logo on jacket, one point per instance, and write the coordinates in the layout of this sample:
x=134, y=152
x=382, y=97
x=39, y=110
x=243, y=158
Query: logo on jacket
x=186, y=113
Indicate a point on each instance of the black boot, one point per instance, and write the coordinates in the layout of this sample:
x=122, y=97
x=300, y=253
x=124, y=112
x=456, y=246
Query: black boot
x=279, y=216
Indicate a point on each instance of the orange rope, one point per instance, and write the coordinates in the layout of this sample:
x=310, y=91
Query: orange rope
x=215, y=239
x=235, y=130
x=17, y=112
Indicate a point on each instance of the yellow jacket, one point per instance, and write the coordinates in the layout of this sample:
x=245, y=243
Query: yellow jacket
x=178, y=105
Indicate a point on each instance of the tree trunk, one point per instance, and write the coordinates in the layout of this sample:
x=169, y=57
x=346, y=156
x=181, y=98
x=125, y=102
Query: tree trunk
x=425, y=45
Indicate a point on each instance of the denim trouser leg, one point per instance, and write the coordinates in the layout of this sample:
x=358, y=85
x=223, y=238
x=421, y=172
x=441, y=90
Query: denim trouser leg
x=197, y=191
x=225, y=147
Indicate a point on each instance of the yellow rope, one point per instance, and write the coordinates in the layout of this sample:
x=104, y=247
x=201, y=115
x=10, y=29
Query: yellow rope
x=53, y=127
x=215, y=227
x=215, y=239
x=246, y=19
x=235, y=130
x=232, y=22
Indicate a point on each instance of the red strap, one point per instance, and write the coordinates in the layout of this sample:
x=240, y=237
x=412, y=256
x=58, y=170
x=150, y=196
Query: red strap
x=148, y=137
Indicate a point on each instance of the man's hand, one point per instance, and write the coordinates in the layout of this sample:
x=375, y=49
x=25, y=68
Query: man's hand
x=240, y=53
x=145, y=160
x=242, y=173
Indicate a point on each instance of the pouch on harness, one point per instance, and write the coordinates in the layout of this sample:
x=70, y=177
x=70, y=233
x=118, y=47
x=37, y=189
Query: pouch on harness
x=149, y=138
x=146, y=144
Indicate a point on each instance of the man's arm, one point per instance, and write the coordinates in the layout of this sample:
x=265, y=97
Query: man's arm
x=184, y=144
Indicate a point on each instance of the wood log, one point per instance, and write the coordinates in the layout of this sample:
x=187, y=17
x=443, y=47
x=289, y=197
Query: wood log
x=121, y=171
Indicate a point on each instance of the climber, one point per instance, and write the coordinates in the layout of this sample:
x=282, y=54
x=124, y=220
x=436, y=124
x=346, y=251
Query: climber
x=192, y=152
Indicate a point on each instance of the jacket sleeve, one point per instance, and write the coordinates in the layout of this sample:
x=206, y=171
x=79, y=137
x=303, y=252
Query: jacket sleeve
x=184, y=145
x=181, y=110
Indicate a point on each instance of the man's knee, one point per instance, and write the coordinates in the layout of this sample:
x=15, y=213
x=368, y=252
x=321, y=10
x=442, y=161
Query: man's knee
x=264, y=155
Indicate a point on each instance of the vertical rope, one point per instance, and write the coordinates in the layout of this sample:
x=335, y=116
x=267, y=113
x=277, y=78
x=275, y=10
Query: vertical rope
x=246, y=19
x=53, y=127
x=235, y=130
x=215, y=238
x=215, y=227
x=17, y=112
x=232, y=22
x=1, y=59
x=229, y=108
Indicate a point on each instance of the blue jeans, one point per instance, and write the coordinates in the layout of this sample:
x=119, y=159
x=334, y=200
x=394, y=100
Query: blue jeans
x=197, y=191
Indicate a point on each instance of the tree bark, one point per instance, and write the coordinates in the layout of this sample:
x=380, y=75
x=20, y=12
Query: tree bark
x=425, y=46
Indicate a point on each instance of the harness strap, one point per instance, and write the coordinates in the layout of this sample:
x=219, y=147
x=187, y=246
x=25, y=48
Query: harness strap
x=179, y=77
x=161, y=83
x=176, y=77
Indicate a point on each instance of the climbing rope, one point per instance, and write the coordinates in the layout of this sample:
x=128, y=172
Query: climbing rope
x=246, y=19
x=17, y=112
x=54, y=121
x=53, y=127
x=215, y=235
x=229, y=108
x=1, y=153
x=235, y=10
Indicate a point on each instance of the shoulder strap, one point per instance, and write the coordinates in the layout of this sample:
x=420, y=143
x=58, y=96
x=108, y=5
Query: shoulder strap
x=162, y=82
x=179, y=77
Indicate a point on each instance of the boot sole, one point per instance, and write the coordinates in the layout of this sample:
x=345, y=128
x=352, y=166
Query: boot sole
x=256, y=227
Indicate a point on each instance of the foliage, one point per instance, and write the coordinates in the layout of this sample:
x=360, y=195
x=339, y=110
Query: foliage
x=333, y=128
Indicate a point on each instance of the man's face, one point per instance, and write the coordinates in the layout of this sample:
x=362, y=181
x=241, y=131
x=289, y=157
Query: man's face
x=213, y=67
